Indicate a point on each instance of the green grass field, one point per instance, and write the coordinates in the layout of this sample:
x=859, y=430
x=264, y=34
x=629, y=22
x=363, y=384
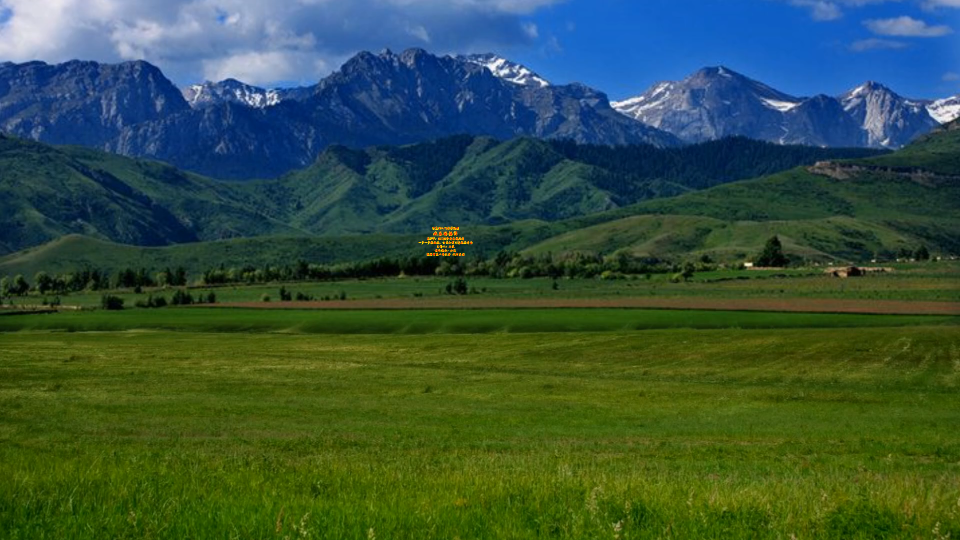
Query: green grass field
x=678, y=433
x=205, y=422
x=484, y=321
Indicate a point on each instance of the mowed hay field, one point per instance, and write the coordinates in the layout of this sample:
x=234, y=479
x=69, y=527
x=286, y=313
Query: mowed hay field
x=813, y=431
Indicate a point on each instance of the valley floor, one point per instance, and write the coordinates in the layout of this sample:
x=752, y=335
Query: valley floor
x=226, y=423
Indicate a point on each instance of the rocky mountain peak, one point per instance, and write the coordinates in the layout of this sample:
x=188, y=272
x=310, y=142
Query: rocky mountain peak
x=718, y=101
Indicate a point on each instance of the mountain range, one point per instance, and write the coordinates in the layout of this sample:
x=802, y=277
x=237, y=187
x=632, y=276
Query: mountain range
x=232, y=130
x=719, y=102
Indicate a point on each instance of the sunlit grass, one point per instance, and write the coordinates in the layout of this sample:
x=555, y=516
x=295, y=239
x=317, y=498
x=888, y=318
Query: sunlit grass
x=668, y=433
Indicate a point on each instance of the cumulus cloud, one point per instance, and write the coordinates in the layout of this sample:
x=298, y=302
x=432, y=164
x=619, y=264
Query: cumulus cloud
x=258, y=41
x=906, y=27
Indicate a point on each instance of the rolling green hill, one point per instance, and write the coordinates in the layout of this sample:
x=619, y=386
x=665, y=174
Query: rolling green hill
x=480, y=181
x=74, y=252
x=378, y=202
x=851, y=210
x=935, y=152
x=50, y=191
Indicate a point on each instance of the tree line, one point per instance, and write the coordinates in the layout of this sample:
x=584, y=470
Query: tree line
x=505, y=264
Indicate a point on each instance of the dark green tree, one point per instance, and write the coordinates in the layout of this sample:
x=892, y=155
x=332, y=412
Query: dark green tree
x=772, y=254
x=20, y=286
x=922, y=254
x=43, y=282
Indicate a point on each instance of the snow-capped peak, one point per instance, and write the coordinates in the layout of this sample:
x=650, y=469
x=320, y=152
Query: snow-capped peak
x=945, y=110
x=854, y=97
x=209, y=93
x=507, y=70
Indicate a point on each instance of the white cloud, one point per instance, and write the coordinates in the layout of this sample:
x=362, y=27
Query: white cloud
x=820, y=10
x=531, y=30
x=934, y=4
x=951, y=76
x=906, y=27
x=263, y=41
x=874, y=44
x=831, y=10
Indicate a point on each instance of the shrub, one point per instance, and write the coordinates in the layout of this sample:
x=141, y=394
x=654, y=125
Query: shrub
x=109, y=302
x=181, y=298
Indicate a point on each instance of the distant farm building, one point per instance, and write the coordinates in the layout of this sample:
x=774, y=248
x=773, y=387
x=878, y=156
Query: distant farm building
x=855, y=271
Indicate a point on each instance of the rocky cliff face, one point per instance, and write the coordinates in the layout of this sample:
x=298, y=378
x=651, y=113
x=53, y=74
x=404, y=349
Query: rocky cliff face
x=889, y=120
x=83, y=102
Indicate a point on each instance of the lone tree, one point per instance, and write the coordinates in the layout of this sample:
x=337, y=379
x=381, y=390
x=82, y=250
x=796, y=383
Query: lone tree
x=772, y=254
x=922, y=254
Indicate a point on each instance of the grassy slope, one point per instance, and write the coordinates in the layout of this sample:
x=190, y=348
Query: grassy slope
x=935, y=152
x=54, y=191
x=72, y=252
x=818, y=216
x=476, y=180
x=672, y=434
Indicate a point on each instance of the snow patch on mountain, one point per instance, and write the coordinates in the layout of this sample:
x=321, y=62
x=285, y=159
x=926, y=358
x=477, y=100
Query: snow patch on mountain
x=653, y=99
x=782, y=106
x=507, y=70
x=230, y=90
x=945, y=110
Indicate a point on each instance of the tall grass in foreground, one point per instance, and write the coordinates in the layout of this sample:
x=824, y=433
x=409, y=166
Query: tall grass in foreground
x=813, y=433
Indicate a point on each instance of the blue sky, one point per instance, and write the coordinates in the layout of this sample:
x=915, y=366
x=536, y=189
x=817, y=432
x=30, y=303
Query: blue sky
x=624, y=46
x=801, y=47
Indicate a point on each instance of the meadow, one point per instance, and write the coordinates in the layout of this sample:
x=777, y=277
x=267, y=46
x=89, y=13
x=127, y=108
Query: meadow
x=821, y=426
x=217, y=422
x=931, y=282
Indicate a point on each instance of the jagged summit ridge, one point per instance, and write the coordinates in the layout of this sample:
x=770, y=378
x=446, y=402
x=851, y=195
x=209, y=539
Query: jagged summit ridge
x=717, y=101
